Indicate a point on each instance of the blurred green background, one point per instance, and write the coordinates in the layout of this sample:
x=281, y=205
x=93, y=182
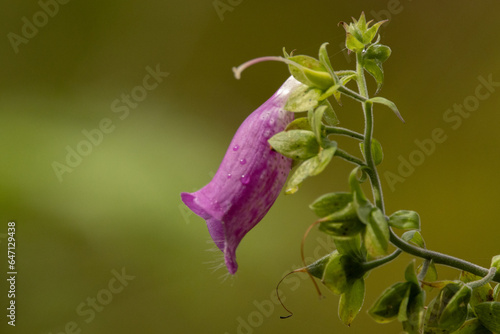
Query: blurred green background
x=119, y=208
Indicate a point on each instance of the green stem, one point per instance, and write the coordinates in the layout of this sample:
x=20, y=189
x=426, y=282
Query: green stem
x=368, y=112
x=346, y=156
x=335, y=130
x=485, y=280
x=440, y=258
x=379, y=262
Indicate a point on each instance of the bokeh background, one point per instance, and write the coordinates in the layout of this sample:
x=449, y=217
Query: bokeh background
x=119, y=209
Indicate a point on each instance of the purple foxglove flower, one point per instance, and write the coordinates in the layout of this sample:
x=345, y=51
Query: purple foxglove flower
x=249, y=178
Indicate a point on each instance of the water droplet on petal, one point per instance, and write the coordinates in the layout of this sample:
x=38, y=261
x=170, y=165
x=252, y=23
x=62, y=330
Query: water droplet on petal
x=229, y=175
x=267, y=134
x=236, y=147
x=271, y=121
x=245, y=179
x=243, y=161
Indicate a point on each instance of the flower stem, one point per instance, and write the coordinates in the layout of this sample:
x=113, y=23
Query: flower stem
x=379, y=262
x=335, y=130
x=346, y=156
x=440, y=258
x=368, y=112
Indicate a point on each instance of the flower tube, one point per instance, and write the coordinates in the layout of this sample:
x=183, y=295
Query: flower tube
x=249, y=178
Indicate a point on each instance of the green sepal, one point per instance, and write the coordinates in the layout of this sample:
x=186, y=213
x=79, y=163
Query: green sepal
x=310, y=167
x=432, y=274
x=473, y=326
x=415, y=237
x=376, y=70
x=353, y=44
x=351, y=301
x=309, y=71
x=489, y=315
x=387, y=306
x=449, y=309
x=351, y=246
x=410, y=274
x=334, y=275
x=325, y=61
x=377, y=153
x=405, y=220
x=481, y=294
x=388, y=103
x=376, y=235
x=403, y=307
x=329, y=115
x=377, y=52
x=415, y=313
x=370, y=33
x=301, y=123
x=342, y=229
x=330, y=203
x=303, y=98
x=317, y=123
x=295, y=144
x=317, y=268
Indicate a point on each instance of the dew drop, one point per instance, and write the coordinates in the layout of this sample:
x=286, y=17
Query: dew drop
x=267, y=134
x=243, y=161
x=229, y=175
x=236, y=147
x=271, y=121
x=245, y=179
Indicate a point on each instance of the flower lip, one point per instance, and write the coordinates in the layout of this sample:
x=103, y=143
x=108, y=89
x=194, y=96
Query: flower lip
x=248, y=180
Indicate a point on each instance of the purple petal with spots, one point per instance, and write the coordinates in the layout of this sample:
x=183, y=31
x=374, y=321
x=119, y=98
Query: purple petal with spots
x=249, y=178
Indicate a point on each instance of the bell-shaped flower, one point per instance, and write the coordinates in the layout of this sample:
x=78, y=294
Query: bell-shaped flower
x=249, y=178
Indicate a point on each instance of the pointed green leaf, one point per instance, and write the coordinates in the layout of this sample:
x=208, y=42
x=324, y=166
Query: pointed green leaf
x=489, y=315
x=388, y=103
x=405, y=219
x=303, y=98
x=351, y=301
x=375, y=69
x=386, y=308
x=330, y=203
x=295, y=144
